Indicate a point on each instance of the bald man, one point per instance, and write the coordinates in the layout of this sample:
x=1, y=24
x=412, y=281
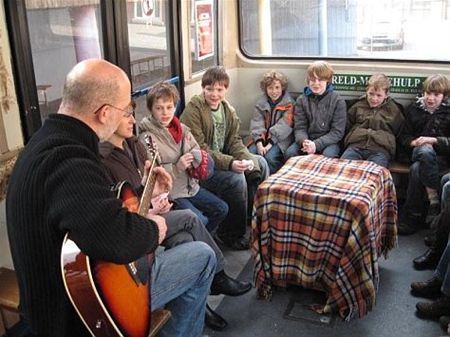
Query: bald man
x=59, y=185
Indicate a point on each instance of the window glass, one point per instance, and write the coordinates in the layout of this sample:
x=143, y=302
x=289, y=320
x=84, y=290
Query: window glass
x=203, y=34
x=148, y=35
x=380, y=29
x=148, y=38
x=63, y=33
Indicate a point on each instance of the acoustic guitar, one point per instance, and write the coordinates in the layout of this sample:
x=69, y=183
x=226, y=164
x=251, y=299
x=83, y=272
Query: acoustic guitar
x=111, y=299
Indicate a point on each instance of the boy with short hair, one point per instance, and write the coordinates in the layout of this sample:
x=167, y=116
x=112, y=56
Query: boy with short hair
x=373, y=123
x=177, y=146
x=427, y=135
x=320, y=115
x=215, y=125
x=273, y=120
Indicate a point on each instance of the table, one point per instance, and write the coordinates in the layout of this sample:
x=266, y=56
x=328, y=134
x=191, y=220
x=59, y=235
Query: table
x=322, y=223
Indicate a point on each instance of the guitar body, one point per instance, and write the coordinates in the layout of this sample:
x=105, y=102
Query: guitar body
x=107, y=296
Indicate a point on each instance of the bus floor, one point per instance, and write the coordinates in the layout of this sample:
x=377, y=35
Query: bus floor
x=285, y=315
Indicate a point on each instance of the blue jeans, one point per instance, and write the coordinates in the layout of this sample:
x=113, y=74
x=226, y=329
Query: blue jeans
x=274, y=157
x=423, y=172
x=331, y=151
x=210, y=209
x=252, y=186
x=355, y=153
x=442, y=271
x=414, y=202
x=231, y=187
x=184, y=226
x=428, y=166
x=181, y=278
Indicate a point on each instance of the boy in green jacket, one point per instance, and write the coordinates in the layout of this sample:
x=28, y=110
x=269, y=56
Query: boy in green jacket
x=215, y=125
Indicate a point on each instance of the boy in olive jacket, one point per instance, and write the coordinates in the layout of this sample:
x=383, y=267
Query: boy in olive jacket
x=215, y=125
x=373, y=123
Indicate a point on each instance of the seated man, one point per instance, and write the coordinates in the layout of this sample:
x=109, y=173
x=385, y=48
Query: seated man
x=126, y=159
x=59, y=186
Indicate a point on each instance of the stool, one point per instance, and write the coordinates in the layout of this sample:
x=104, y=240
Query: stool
x=9, y=293
x=159, y=318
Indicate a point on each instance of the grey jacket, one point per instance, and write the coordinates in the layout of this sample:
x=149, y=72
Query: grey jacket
x=275, y=126
x=183, y=185
x=320, y=119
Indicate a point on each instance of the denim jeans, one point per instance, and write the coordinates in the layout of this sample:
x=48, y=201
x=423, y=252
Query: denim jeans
x=210, y=209
x=442, y=271
x=184, y=226
x=252, y=186
x=355, y=153
x=428, y=166
x=181, y=278
x=331, y=151
x=414, y=202
x=231, y=187
x=424, y=172
x=274, y=157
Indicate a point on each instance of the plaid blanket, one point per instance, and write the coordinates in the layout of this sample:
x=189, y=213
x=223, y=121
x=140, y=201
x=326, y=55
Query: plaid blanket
x=322, y=223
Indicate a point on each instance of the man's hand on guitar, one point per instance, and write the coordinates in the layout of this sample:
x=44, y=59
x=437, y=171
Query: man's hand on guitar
x=163, y=181
x=161, y=223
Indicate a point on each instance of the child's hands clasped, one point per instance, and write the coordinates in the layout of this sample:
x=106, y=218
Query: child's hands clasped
x=262, y=150
x=420, y=141
x=308, y=146
x=240, y=166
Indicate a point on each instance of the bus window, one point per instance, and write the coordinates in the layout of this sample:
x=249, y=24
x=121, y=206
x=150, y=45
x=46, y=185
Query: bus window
x=61, y=35
x=148, y=40
x=385, y=29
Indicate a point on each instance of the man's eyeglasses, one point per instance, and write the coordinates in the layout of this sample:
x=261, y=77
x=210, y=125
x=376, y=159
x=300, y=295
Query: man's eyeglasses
x=128, y=111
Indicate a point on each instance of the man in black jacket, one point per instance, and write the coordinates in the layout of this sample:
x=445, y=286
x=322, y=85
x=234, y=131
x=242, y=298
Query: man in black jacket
x=59, y=185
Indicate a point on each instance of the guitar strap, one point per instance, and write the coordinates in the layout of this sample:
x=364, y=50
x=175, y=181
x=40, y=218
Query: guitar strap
x=143, y=269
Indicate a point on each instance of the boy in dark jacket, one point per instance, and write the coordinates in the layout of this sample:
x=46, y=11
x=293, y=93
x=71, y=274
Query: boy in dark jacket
x=426, y=134
x=320, y=115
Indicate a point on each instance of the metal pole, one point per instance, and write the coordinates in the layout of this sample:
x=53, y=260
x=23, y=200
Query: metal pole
x=323, y=28
x=265, y=27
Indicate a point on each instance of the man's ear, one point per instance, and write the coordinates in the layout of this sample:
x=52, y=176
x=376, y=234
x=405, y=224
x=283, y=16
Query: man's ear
x=102, y=114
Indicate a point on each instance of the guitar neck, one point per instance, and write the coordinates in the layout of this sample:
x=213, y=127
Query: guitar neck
x=146, y=198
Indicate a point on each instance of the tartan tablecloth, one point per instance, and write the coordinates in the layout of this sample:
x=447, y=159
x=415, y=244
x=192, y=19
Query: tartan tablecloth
x=322, y=223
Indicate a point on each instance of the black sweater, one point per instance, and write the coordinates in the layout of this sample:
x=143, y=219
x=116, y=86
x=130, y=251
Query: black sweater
x=420, y=122
x=59, y=185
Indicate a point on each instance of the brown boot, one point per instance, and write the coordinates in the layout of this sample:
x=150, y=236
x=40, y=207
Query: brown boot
x=428, y=260
x=430, y=288
x=436, y=309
